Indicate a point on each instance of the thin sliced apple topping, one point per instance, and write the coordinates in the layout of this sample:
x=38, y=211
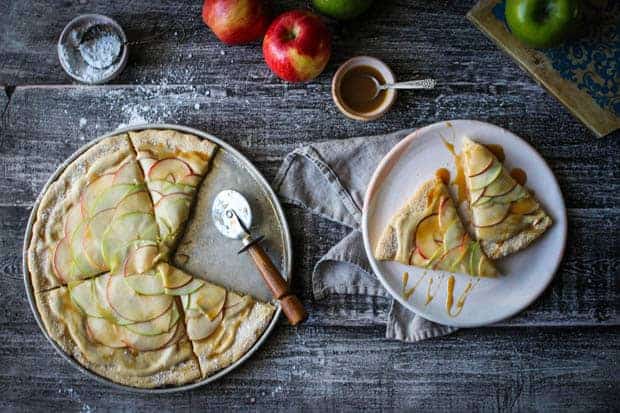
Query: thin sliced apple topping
x=501, y=207
x=441, y=242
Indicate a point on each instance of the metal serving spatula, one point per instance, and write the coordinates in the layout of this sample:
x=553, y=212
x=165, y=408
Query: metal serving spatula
x=233, y=218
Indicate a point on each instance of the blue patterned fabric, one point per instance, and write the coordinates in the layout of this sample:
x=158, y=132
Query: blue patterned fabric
x=591, y=61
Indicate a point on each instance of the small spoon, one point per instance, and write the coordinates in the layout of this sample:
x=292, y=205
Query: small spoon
x=412, y=84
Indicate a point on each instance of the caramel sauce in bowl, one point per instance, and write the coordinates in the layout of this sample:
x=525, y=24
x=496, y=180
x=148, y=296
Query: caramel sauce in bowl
x=353, y=91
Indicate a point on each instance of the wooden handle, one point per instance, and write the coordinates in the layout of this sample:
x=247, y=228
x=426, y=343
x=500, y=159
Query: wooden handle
x=291, y=306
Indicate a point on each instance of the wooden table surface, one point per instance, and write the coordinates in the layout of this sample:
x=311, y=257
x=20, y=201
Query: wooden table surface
x=562, y=353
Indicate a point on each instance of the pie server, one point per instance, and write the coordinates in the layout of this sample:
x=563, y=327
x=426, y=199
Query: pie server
x=233, y=218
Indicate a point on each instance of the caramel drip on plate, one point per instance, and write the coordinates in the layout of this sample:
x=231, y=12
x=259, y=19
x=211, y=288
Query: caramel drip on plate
x=408, y=292
x=460, y=302
x=519, y=175
x=459, y=179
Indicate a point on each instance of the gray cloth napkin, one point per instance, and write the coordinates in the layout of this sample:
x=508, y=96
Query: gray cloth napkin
x=330, y=179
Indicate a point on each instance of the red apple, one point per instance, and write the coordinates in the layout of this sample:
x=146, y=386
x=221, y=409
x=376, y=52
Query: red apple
x=235, y=21
x=297, y=46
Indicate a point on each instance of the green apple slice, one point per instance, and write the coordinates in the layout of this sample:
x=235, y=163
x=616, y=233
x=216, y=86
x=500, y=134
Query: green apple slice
x=490, y=214
x=92, y=191
x=105, y=332
x=486, y=178
x=166, y=188
x=210, y=299
x=110, y=197
x=123, y=230
x=146, y=284
x=159, y=325
x=475, y=254
x=173, y=278
x=193, y=286
x=83, y=295
x=173, y=209
x=148, y=343
x=524, y=206
x=453, y=237
x=139, y=201
x=130, y=305
x=501, y=186
x=129, y=173
x=514, y=195
x=169, y=169
x=199, y=328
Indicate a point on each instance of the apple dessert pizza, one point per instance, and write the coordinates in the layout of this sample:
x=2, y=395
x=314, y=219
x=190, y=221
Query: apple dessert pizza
x=428, y=233
x=98, y=262
x=506, y=217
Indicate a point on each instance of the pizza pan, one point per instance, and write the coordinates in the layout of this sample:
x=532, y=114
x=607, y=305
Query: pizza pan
x=203, y=251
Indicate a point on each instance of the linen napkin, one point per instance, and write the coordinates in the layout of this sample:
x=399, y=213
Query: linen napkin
x=330, y=179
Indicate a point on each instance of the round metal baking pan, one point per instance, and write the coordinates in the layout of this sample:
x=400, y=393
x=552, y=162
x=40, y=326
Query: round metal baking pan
x=231, y=158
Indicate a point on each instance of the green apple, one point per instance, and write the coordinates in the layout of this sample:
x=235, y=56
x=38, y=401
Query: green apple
x=542, y=23
x=342, y=9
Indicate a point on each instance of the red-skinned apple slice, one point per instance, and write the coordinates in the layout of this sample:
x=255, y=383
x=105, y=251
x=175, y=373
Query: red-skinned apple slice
x=122, y=234
x=501, y=186
x=128, y=173
x=74, y=217
x=425, y=235
x=146, y=160
x=477, y=195
x=515, y=194
x=83, y=295
x=63, y=260
x=130, y=305
x=159, y=325
x=110, y=197
x=83, y=264
x=453, y=237
x=92, y=191
x=236, y=305
x=478, y=160
x=447, y=212
x=210, y=299
x=170, y=169
x=93, y=236
x=104, y=332
x=192, y=180
x=199, y=328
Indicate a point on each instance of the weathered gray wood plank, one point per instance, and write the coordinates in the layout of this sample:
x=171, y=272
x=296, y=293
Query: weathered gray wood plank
x=46, y=124
x=315, y=368
x=584, y=291
x=186, y=52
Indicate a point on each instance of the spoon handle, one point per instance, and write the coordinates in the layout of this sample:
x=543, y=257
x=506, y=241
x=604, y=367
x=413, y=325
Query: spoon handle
x=412, y=84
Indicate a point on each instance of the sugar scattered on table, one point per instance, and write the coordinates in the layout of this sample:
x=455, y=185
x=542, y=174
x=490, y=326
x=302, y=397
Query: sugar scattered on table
x=197, y=106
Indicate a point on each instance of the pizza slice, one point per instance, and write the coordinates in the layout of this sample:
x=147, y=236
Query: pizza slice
x=174, y=165
x=428, y=233
x=93, y=218
x=506, y=217
x=221, y=324
x=134, y=339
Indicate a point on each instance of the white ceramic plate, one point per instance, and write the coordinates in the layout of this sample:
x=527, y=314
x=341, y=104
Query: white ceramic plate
x=526, y=274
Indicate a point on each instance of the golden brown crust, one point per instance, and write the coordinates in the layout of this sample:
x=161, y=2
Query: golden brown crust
x=496, y=250
x=62, y=194
x=174, y=365
x=250, y=330
x=415, y=210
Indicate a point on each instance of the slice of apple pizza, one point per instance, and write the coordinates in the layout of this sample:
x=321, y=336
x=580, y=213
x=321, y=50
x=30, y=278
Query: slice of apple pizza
x=506, y=217
x=428, y=233
x=134, y=339
x=92, y=218
x=174, y=165
x=222, y=324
